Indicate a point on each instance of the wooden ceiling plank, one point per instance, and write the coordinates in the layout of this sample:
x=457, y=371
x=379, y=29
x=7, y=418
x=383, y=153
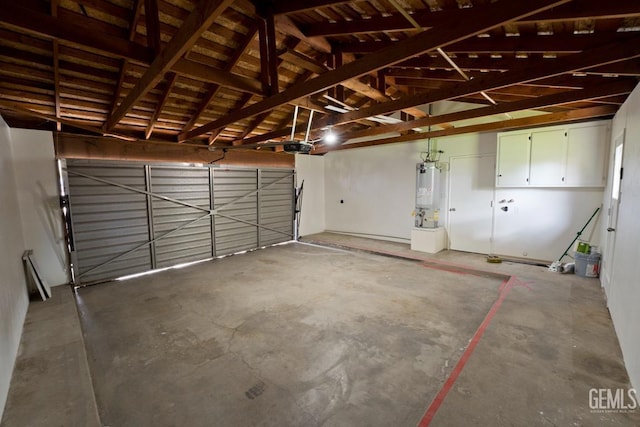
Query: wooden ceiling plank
x=590, y=93
x=295, y=6
x=578, y=9
x=198, y=21
x=240, y=104
x=29, y=112
x=354, y=84
x=214, y=88
x=286, y=26
x=14, y=16
x=171, y=80
x=556, y=43
x=204, y=73
x=546, y=119
x=591, y=58
x=491, y=16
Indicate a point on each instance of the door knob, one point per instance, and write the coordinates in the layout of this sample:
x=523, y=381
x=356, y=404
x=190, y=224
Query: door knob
x=505, y=208
x=611, y=229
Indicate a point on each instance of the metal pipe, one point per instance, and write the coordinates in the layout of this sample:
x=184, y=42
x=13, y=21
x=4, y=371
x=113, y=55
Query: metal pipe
x=306, y=135
x=293, y=126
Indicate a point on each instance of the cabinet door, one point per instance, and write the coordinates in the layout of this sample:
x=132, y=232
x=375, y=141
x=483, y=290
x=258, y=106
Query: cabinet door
x=548, y=153
x=586, y=156
x=513, y=160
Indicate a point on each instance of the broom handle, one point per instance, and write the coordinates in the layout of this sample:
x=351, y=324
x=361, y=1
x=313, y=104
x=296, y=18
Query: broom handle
x=579, y=234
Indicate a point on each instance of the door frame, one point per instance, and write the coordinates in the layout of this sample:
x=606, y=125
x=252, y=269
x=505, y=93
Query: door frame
x=609, y=244
x=493, y=195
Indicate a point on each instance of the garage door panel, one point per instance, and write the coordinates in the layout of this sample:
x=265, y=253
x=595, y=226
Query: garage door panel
x=104, y=237
x=112, y=246
x=186, y=232
x=193, y=242
x=110, y=220
x=124, y=268
x=276, y=207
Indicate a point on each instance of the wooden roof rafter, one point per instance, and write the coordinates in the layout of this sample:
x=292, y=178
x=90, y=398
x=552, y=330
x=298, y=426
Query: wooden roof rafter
x=578, y=9
x=490, y=17
x=198, y=21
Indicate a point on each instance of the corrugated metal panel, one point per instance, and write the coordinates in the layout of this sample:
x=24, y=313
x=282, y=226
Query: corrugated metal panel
x=276, y=206
x=193, y=242
x=236, y=198
x=108, y=220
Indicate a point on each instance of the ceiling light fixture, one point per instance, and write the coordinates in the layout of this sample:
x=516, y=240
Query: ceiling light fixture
x=330, y=138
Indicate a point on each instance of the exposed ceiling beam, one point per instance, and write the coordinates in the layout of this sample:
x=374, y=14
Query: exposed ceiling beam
x=486, y=65
x=56, y=67
x=213, y=90
x=559, y=43
x=269, y=60
x=198, y=21
x=208, y=74
x=294, y=6
x=286, y=26
x=133, y=24
x=449, y=32
x=546, y=119
x=354, y=84
x=590, y=93
x=14, y=16
x=578, y=9
x=241, y=103
x=171, y=80
x=590, y=58
x=593, y=92
x=69, y=122
x=153, y=25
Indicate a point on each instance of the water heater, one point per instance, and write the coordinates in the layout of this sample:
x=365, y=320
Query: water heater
x=427, y=195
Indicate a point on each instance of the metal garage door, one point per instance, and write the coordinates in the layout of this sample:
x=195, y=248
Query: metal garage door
x=130, y=217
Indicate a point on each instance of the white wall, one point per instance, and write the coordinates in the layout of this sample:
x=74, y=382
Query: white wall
x=377, y=186
x=13, y=293
x=38, y=197
x=310, y=169
x=624, y=291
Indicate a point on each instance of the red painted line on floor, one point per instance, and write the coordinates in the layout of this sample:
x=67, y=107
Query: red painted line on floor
x=445, y=268
x=505, y=287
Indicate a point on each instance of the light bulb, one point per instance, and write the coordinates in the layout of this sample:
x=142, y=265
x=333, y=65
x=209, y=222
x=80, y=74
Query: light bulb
x=330, y=137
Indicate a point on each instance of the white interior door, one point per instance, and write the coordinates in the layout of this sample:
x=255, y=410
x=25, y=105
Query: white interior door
x=471, y=191
x=607, y=261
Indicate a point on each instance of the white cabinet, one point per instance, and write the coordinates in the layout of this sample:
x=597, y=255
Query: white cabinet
x=513, y=159
x=587, y=156
x=560, y=156
x=548, y=151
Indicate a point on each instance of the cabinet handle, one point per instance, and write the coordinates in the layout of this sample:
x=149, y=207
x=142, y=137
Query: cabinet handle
x=563, y=179
x=527, y=179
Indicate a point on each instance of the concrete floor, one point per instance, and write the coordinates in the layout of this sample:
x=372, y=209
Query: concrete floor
x=307, y=336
